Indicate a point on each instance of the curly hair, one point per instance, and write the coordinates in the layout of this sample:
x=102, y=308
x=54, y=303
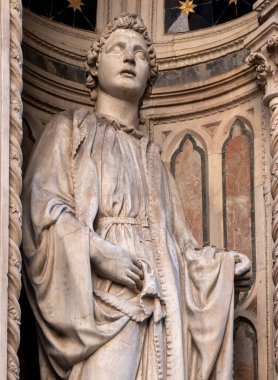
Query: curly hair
x=124, y=21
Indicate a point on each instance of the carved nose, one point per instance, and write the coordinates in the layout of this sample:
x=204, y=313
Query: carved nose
x=129, y=57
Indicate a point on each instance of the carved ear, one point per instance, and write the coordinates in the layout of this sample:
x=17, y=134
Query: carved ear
x=93, y=95
x=148, y=90
x=94, y=72
x=91, y=56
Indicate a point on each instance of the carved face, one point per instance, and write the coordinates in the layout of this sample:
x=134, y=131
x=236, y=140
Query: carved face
x=123, y=68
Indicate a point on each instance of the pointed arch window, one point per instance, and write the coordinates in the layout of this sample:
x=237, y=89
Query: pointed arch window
x=238, y=190
x=245, y=350
x=188, y=166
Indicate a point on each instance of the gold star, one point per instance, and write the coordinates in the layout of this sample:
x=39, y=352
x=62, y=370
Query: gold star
x=75, y=4
x=233, y=1
x=188, y=6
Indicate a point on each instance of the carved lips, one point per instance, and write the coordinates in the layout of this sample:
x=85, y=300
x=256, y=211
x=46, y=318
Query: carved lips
x=128, y=72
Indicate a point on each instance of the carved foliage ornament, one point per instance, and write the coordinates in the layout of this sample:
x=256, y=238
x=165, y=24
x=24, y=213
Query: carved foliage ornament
x=263, y=70
x=266, y=65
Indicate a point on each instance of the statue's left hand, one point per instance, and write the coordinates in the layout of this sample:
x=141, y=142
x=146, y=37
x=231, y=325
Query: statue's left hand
x=243, y=273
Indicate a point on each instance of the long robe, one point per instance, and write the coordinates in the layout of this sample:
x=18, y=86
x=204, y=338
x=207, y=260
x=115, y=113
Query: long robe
x=94, y=185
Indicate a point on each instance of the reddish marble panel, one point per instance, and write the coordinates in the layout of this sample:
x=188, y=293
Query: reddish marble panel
x=188, y=176
x=238, y=193
x=245, y=355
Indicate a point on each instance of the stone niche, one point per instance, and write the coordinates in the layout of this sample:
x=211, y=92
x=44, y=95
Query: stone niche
x=207, y=115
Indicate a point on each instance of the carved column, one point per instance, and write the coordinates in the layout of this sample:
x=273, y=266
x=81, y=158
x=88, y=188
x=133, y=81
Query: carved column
x=273, y=105
x=10, y=185
x=14, y=267
x=271, y=99
x=4, y=178
x=264, y=58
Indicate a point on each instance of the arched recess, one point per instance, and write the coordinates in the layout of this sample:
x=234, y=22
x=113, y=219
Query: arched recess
x=238, y=190
x=188, y=166
x=245, y=350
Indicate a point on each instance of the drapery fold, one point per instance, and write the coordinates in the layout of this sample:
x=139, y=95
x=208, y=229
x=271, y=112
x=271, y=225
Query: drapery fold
x=63, y=197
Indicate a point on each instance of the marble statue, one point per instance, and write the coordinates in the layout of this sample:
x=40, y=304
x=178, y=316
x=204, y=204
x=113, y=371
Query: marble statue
x=118, y=285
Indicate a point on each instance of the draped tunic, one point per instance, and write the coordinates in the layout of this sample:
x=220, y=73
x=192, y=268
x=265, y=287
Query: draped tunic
x=94, y=184
x=122, y=217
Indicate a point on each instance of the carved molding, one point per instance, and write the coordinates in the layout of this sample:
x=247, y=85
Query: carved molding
x=50, y=93
x=204, y=112
x=59, y=41
x=268, y=217
x=265, y=62
x=70, y=44
x=265, y=7
x=194, y=58
x=41, y=105
x=14, y=273
x=77, y=59
x=272, y=45
x=195, y=47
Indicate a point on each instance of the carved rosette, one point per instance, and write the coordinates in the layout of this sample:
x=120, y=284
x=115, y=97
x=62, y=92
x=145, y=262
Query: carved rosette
x=14, y=274
x=267, y=79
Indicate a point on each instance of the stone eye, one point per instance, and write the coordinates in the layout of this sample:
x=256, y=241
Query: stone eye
x=141, y=54
x=116, y=49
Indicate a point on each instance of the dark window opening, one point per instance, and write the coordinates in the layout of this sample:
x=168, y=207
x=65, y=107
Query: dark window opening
x=79, y=14
x=188, y=15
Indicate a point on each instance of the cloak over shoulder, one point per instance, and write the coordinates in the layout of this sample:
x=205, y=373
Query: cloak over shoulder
x=61, y=201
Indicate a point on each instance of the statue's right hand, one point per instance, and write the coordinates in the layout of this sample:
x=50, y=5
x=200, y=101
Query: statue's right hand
x=119, y=266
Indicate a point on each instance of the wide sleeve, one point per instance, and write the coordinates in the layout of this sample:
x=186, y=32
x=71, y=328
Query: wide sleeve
x=56, y=248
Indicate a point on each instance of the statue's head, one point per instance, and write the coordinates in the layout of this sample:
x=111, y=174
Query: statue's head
x=134, y=25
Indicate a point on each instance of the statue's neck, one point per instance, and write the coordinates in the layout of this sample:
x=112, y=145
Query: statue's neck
x=124, y=111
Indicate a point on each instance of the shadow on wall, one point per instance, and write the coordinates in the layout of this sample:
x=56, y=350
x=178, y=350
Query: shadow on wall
x=28, y=349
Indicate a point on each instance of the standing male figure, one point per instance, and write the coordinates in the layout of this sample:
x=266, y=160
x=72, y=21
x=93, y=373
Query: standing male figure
x=118, y=286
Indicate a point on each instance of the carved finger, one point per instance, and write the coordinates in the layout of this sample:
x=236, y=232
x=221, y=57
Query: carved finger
x=131, y=285
x=241, y=284
x=137, y=263
x=246, y=276
x=243, y=266
x=136, y=279
x=242, y=290
x=138, y=271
